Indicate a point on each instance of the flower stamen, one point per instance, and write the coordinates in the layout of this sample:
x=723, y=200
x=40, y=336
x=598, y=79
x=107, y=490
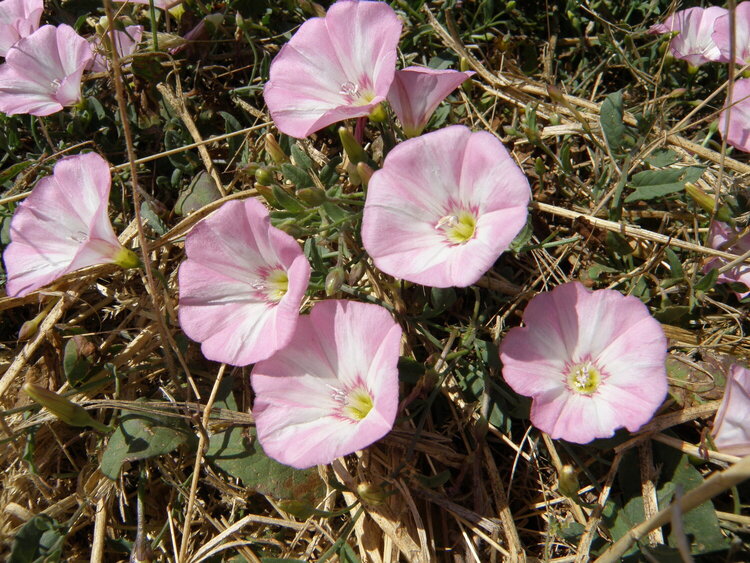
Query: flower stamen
x=584, y=378
x=459, y=228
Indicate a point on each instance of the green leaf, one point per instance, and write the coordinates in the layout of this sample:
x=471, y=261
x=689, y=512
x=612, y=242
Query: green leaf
x=662, y=158
x=300, y=158
x=76, y=364
x=651, y=184
x=153, y=220
x=610, y=119
x=141, y=436
x=296, y=175
x=285, y=200
x=40, y=540
x=707, y=281
x=674, y=263
x=237, y=452
x=13, y=170
x=523, y=237
x=201, y=191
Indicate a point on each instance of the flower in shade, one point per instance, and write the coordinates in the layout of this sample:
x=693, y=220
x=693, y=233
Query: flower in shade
x=42, y=72
x=416, y=92
x=592, y=362
x=693, y=42
x=334, y=68
x=741, y=30
x=731, y=431
x=444, y=207
x=333, y=389
x=241, y=285
x=63, y=226
x=18, y=18
x=737, y=127
x=723, y=237
x=125, y=42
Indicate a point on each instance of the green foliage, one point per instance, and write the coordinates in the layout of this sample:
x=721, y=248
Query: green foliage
x=141, y=436
x=40, y=540
x=652, y=184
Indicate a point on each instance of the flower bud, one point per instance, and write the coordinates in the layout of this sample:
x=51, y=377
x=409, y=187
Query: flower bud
x=273, y=148
x=30, y=327
x=62, y=408
x=707, y=203
x=371, y=494
x=364, y=172
x=356, y=273
x=567, y=482
x=352, y=148
x=312, y=196
x=126, y=259
x=267, y=194
x=334, y=280
x=263, y=176
x=378, y=114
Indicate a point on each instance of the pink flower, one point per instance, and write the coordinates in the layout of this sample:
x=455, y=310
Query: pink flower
x=241, y=285
x=738, y=133
x=334, y=68
x=592, y=361
x=731, y=432
x=417, y=91
x=125, y=43
x=18, y=18
x=693, y=42
x=42, y=72
x=719, y=237
x=333, y=389
x=63, y=226
x=741, y=34
x=444, y=207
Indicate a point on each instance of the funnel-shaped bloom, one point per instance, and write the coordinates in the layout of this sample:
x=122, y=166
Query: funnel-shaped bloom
x=334, y=68
x=241, y=285
x=738, y=128
x=741, y=30
x=18, y=18
x=333, y=389
x=731, y=432
x=125, y=43
x=592, y=361
x=444, y=207
x=693, y=42
x=722, y=236
x=42, y=72
x=63, y=226
x=416, y=91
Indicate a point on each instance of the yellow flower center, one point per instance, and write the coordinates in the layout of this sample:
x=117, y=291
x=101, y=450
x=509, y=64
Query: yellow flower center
x=584, y=378
x=357, y=404
x=277, y=284
x=459, y=228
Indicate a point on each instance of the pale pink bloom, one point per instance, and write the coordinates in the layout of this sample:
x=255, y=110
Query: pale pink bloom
x=241, y=285
x=416, y=91
x=334, y=68
x=738, y=132
x=18, y=18
x=42, y=72
x=592, y=361
x=125, y=43
x=720, y=236
x=63, y=226
x=444, y=207
x=731, y=431
x=741, y=34
x=693, y=42
x=333, y=389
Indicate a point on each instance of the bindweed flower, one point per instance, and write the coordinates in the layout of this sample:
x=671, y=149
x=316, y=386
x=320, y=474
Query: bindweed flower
x=731, y=432
x=694, y=27
x=18, y=18
x=125, y=43
x=333, y=389
x=444, y=207
x=63, y=226
x=721, y=34
x=42, y=72
x=241, y=285
x=738, y=126
x=334, y=68
x=417, y=91
x=723, y=237
x=592, y=361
